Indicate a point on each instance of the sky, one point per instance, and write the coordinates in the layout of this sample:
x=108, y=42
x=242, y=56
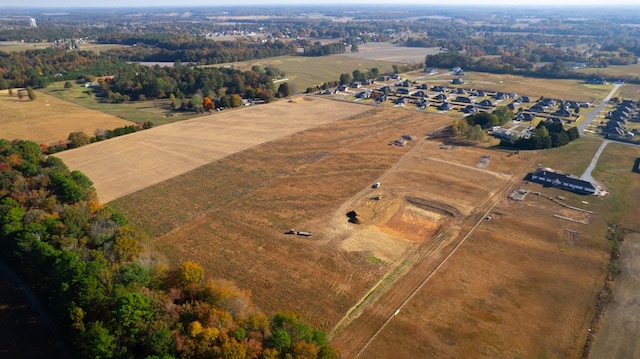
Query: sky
x=439, y=3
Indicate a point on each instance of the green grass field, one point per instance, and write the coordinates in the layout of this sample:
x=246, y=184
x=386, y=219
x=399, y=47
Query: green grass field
x=621, y=70
x=157, y=112
x=573, y=158
x=304, y=71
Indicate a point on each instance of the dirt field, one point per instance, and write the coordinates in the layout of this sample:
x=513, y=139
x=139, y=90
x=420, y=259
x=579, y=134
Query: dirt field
x=48, y=119
x=148, y=157
x=618, y=336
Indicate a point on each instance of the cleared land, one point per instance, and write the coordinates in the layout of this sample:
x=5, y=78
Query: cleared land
x=237, y=210
x=514, y=274
x=48, y=119
x=127, y=164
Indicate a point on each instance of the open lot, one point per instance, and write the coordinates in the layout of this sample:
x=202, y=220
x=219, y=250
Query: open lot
x=48, y=119
x=148, y=157
x=500, y=295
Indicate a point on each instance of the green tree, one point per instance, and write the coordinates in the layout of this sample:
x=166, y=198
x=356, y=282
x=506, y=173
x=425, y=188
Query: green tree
x=284, y=90
x=345, y=79
x=476, y=134
x=68, y=85
x=280, y=340
x=196, y=103
x=96, y=342
x=30, y=93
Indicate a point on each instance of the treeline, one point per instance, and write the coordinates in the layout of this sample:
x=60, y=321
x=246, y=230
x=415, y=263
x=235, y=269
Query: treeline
x=171, y=47
x=138, y=82
x=38, y=68
x=103, y=287
x=516, y=66
x=547, y=135
x=317, y=49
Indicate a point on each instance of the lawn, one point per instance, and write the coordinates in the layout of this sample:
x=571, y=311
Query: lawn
x=158, y=111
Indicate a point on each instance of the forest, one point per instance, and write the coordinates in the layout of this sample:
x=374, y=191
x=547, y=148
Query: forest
x=105, y=288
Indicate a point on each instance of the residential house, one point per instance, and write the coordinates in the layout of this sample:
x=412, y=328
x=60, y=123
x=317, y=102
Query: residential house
x=568, y=182
x=486, y=103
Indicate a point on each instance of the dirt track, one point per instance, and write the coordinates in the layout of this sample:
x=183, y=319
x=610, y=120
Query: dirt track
x=618, y=337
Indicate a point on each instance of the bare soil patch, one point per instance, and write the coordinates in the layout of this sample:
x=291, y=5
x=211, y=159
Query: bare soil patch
x=618, y=336
x=126, y=164
x=48, y=119
x=512, y=283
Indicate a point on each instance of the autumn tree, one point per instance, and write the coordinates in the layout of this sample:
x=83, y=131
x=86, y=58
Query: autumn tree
x=11, y=92
x=78, y=139
x=190, y=273
x=236, y=101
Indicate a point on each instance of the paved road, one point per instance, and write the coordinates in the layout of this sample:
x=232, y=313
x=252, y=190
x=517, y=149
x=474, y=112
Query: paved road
x=592, y=115
x=586, y=176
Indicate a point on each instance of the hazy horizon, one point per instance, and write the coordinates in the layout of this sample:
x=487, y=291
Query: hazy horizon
x=439, y=4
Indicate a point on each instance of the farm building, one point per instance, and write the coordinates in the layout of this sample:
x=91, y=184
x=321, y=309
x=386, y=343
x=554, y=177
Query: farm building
x=568, y=182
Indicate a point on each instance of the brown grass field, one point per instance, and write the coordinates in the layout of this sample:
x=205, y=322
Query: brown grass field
x=48, y=119
x=523, y=284
x=423, y=273
x=148, y=157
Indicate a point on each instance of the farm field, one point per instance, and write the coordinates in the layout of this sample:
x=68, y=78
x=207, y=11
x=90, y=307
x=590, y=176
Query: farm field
x=303, y=71
x=48, y=119
x=236, y=210
x=385, y=51
x=148, y=157
x=239, y=208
